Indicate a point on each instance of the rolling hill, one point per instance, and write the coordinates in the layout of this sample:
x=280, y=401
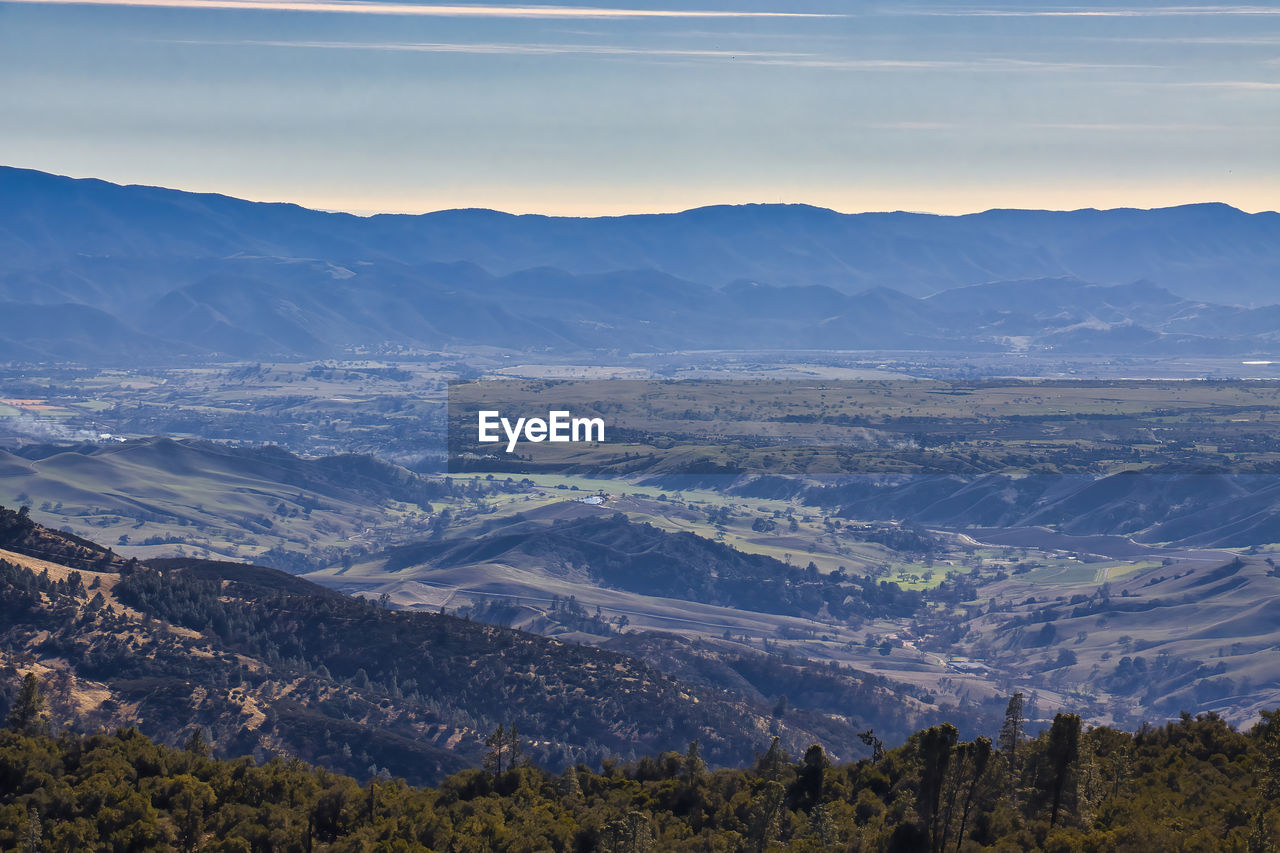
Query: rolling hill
x=611, y=551
x=152, y=496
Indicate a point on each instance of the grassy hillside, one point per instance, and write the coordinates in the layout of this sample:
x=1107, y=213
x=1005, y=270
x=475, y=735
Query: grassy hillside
x=613, y=551
x=159, y=497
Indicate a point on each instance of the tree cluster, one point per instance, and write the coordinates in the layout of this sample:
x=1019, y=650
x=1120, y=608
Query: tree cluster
x=1195, y=784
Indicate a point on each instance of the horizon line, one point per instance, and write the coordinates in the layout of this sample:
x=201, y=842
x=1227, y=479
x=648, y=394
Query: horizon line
x=368, y=214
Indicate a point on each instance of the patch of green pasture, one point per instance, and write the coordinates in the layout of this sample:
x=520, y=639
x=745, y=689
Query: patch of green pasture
x=1119, y=570
x=1064, y=573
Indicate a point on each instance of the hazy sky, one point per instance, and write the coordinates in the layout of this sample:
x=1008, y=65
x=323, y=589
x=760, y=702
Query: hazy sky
x=369, y=106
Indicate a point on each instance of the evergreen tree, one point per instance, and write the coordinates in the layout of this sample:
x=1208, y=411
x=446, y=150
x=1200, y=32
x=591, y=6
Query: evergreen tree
x=809, y=784
x=569, y=786
x=1014, y=723
x=1010, y=739
x=770, y=765
x=197, y=744
x=1062, y=752
x=497, y=743
x=27, y=713
x=1267, y=733
x=980, y=757
x=694, y=767
x=934, y=749
x=768, y=815
x=33, y=836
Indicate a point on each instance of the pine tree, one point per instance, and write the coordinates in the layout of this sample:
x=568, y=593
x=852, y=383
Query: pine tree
x=980, y=755
x=934, y=749
x=497, y=743
x=812, y=770
x=569, y=786
x=27, y=714
x=1267, y=734
x=515, y=749
x=196, y=744
x=33, y=835
x=1014, y=723
x=694, y=767
x=1062, y=752
x=768, y=815
x=1010, y=739
x=770, y=764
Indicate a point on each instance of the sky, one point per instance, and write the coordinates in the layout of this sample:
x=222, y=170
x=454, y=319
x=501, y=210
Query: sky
x=628, y=107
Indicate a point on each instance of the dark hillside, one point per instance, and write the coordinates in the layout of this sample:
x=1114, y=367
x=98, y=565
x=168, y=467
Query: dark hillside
x=269, y=663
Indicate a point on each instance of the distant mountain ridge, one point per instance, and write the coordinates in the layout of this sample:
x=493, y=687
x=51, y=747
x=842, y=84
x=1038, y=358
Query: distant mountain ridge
x=1187, y=249
x=92, y=270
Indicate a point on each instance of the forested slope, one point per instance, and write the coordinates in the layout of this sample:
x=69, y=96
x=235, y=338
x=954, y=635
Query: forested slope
x=1192, y=785
x=269, y=663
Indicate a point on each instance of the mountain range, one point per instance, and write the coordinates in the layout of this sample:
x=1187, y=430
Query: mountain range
x=95, y=271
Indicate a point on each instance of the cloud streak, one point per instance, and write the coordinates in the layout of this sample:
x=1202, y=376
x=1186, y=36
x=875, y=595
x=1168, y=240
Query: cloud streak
x=1223, y=41
x=1130, y=127
x=434, y=10
x=1088, y=12
x=503, y=49
x=988, y=64
x=750, y=57
x=1234, y=85
x=1088, y=127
